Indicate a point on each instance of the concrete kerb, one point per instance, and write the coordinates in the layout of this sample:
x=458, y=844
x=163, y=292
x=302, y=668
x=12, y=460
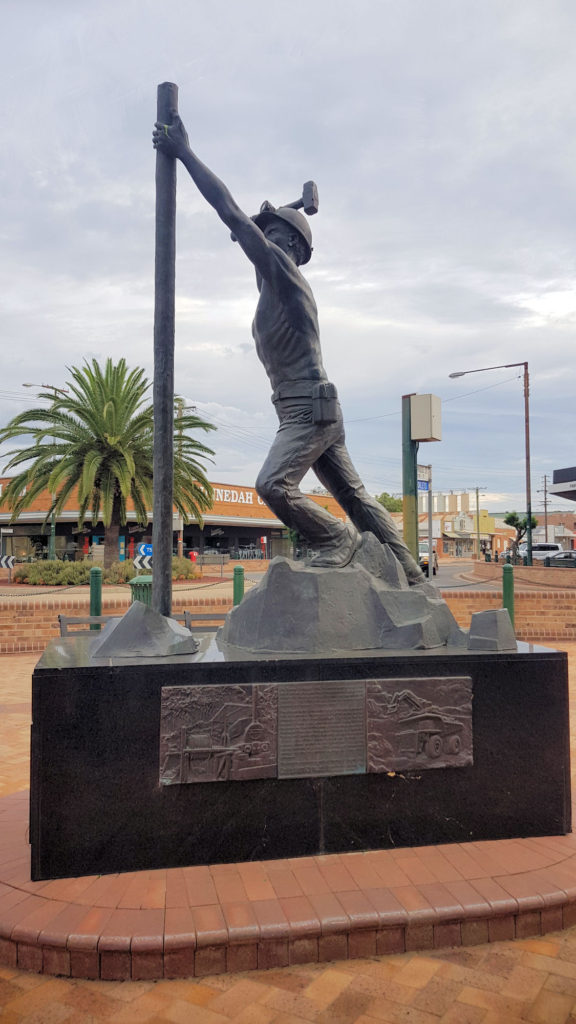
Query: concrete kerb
x=516, y=889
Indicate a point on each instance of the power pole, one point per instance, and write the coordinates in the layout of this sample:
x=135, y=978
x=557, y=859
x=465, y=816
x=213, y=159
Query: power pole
x=544, y=491
x=477, y=523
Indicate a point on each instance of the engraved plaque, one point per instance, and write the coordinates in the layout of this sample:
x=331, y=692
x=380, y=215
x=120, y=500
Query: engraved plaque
x=415, y=724
x=216, y=733
x=321, y=729
x=311, y=730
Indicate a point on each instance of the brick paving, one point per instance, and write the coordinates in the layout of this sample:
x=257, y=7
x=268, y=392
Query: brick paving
x=466, y=981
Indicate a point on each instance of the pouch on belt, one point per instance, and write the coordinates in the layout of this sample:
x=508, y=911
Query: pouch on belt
x=324, y=402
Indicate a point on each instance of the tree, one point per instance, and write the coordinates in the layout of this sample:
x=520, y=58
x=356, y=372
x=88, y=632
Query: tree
x=520, y=525
x=390, y=501
x=98, y=437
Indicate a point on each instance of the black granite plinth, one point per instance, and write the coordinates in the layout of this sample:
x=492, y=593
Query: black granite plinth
x=98, y=805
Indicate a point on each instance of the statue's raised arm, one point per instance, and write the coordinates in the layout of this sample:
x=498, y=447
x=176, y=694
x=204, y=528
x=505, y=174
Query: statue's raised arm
x=172, y=139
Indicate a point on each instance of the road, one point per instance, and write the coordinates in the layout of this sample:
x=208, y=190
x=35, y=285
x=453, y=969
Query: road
x=448, y=577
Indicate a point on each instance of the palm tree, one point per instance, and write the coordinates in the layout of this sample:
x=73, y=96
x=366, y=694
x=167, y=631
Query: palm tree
x=98, y=437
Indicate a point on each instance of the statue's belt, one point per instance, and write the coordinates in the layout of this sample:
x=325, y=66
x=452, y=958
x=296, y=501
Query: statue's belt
x=319, y=389
x=322, y=394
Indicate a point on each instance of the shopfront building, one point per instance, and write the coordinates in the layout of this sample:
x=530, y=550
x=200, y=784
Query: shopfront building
x=238, y=524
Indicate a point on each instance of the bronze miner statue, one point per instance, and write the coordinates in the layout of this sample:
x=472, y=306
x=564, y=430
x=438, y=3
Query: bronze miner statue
x=311, y=433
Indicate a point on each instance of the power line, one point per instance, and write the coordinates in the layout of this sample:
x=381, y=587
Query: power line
x=456, y=398
x=488, y=387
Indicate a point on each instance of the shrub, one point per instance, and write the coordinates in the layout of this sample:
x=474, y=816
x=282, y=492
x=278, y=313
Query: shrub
x=72, y=574
x=184, y=569
x=119, y=572
x=53, y=573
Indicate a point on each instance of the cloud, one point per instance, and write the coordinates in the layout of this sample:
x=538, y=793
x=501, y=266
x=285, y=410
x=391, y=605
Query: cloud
x=442, y=140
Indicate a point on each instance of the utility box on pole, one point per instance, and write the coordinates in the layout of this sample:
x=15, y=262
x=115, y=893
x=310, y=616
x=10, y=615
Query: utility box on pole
x=425, y=418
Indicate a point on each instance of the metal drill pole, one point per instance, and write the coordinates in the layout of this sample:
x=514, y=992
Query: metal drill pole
x=165, y=280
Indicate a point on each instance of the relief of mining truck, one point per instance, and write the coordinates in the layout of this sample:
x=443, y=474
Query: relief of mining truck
x=426, y=730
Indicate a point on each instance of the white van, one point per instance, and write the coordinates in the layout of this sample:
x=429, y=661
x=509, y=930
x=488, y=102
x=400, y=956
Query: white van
x=542, y=551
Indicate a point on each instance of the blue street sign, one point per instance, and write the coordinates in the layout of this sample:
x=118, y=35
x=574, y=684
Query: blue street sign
x=423, y=485
x=144, y=549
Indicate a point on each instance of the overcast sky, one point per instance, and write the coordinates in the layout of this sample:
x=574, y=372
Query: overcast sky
x=442, y=136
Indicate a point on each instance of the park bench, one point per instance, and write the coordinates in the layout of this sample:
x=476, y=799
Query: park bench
x=195, y=622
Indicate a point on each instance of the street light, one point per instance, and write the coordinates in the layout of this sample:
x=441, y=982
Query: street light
x=508, y=366
x=52, y=537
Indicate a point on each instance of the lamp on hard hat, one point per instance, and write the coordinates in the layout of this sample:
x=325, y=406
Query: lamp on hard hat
x=290, y=216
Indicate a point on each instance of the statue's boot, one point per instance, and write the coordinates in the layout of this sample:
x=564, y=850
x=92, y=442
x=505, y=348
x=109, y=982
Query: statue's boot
x=416, y=580
x=337, y=555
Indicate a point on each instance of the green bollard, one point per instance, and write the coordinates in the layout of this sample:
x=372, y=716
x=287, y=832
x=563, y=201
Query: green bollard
x=95, y=594
x=508, y=591
x=238, y=584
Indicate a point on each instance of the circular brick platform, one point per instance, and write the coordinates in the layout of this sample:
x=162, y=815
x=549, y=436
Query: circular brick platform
x=237, y=917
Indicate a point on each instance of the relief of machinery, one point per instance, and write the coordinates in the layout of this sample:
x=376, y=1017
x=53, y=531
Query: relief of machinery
x=214, y=739
x=425, y=729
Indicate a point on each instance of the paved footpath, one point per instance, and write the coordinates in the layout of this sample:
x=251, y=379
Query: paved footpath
x=531, y=980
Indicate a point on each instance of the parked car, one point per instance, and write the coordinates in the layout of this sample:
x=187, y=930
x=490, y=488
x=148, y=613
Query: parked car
x=423, y=558
x=564, y=557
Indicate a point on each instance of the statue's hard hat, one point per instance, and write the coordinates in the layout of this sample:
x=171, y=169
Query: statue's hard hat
x=290, y=216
